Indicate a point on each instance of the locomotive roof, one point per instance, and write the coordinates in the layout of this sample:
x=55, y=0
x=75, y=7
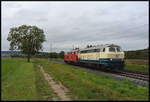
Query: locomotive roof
x=100, y=46
x=73, y=50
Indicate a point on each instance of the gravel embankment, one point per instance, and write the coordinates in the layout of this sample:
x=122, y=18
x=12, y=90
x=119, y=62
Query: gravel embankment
x=114, y=76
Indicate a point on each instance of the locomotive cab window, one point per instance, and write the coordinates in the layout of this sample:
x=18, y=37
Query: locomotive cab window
x=96, y=50
x=119, y=49
x=103, y=49
x=111, y=49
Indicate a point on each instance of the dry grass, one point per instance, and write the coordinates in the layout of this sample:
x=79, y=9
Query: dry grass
x=137, y=61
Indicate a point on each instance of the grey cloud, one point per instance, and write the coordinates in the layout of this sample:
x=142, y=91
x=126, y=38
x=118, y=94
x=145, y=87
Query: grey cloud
x=31, y=15
x=81, y=23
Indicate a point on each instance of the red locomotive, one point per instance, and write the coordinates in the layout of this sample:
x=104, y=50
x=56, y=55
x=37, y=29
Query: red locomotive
x=71, y=57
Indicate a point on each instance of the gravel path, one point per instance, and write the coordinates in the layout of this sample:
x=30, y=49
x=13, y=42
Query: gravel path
x=59, y=89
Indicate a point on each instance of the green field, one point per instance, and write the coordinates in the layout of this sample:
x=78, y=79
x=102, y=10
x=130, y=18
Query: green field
x=140, y=65
x=23, y=81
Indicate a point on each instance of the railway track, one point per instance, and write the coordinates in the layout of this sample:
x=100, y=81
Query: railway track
x=141, y=76
x=135, y=75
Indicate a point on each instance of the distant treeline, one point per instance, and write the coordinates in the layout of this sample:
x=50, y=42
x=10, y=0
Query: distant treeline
x=38, y=55
x=138, y=54
x=50, y=55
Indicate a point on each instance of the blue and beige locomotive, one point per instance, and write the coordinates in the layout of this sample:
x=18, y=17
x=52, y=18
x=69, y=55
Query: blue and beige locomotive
x=106, y=56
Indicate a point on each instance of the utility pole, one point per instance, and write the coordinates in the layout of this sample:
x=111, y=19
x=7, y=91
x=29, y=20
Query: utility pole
x=73, y=47
x=51, y=48
x=50, y=51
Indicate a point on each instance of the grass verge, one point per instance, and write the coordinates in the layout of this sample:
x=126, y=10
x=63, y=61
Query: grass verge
x=23, y=81
x=18, y=80
x=57, y=59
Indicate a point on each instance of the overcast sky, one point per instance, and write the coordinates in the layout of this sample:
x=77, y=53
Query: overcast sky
x=68, y=24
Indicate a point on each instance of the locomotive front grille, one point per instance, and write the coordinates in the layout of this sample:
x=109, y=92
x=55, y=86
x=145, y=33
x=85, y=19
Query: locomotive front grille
x=117, y=61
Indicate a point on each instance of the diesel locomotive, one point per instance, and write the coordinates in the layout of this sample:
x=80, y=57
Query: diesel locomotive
x=108, y=56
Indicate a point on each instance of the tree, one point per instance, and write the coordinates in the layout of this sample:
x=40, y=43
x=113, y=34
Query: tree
x=53, y=55
x=28, y=39
x=61, y=54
